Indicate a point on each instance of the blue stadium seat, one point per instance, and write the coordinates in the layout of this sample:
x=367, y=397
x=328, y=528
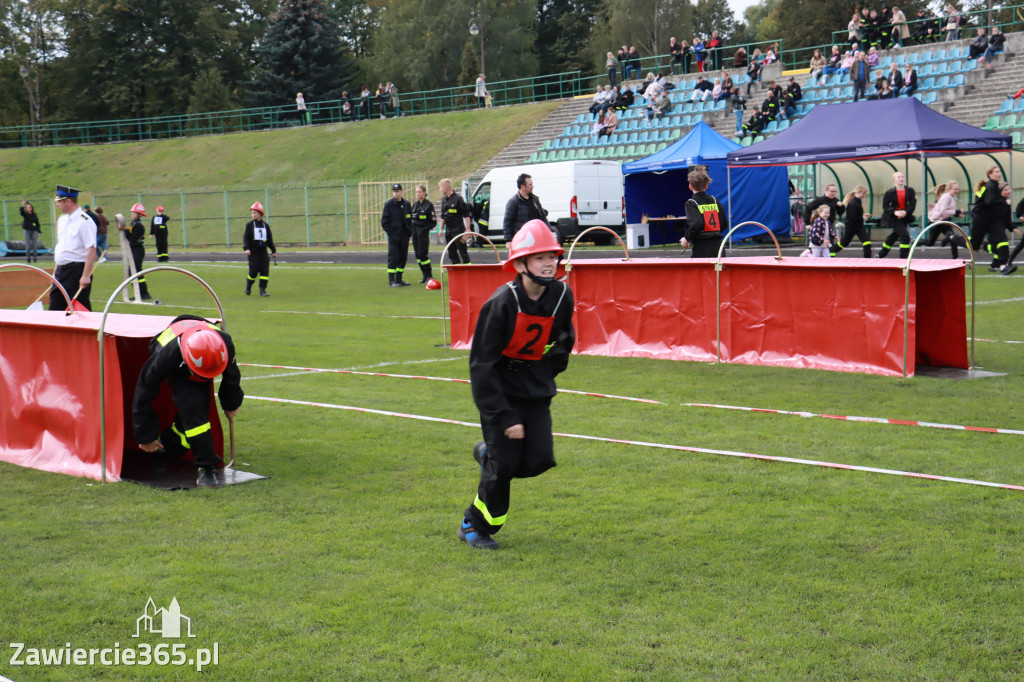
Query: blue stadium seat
x=784, y=125
x=957, y=81
x=1006, y=107
x=772, y=127
x=926, y=70
x=847, y=92
x=971, y=65
x=884, y=62
x=900, y=59
x=834, y=93
x=943, y=82
x=676, y=121
x=941, y=68
x=928, y=83
x=926, y=56
x=720, y=105
x=915, y=58
x=956, y=66
x=930, y=97
x=940, y=55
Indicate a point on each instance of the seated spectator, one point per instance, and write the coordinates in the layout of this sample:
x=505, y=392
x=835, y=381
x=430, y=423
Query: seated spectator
x=609, y=102
x=675, y=49
x=611, y=122
x=909, y=82
x=658, y=108
x=772, y=104
x=847, y=63
x=702, y=89
x=699, y=55
x=726, y=87
x=756, y=123
x=754, y=68
x=598, y=124
x=895, y=79
x=995, y=46
x=978, y=45
x=599, y=98
x=873, y=58
x=634, y=62
x=625, y=99
x=642, y=88
x=833, y=63
x=739, y=60
x=882, y=89
x=716, y=91
x=818, y=62
x=793, y=95
x=771, y=56
x=664, y=82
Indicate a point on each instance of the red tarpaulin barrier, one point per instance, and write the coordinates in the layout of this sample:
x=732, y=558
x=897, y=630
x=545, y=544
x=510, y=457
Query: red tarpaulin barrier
x=50, y=391
x=838, y=314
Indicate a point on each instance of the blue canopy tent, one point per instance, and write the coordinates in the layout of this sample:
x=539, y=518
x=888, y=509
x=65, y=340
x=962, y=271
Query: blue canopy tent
x=882, y=131
x=656, y=186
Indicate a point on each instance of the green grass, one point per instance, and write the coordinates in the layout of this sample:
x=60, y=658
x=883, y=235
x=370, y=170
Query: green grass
x=621, y=563
x=419, y=147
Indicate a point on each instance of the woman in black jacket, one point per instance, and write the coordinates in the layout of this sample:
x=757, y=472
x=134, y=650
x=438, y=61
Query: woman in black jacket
x=855, y=217
x=30, y=224
x=898, y=206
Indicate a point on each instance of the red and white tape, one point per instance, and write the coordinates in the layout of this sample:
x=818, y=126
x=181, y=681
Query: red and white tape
x=447, y=379
x=872, y=420
x=664, y=446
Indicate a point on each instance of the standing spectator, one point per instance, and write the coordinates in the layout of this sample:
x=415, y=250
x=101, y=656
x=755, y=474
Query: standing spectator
x=987, y=219
x=821, y=234
x=634, y=62
x=831, y=199
x=900, y=32
x=257, y=239
x=898, y=206
x=859, y=73
x=396, y=219
x=706, y=222
x=455, y=214
x=30, y=226
x=943, y=210
x=855, y=217
x=423, y=221
x=101, y=234
x=136, y=234
x=909, y=81
x=364, y=103
x=715, y=51
x=396, y=104
x=817, y=65
x=623, y=59
x=524, y=206
x=513, y=378
x=481, y=91
x=300, y=104
x=158, y=230
x=699, y=55
x=995, y=46
x=382, y=99
x=75, y=251
x=953, y=21
x=348, y=109
x=978, y=45
x=853, y=31
x=675, y=48
x=612, y=65
x=739, y=60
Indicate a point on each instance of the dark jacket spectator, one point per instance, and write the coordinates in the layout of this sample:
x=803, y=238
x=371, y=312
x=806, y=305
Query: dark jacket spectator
x=519, y=211
x=978, y=45
x=739, y=60
x=625, y=99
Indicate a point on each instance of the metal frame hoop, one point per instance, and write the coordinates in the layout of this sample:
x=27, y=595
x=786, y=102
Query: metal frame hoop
x=26, y=266
x=444, y=252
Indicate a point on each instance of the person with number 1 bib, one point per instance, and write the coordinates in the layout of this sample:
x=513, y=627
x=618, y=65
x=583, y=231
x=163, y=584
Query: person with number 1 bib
x=256, y=239
x=706, y=221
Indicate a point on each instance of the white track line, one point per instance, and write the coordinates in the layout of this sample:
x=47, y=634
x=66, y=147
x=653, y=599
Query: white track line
x=428, y=378
x=663, y=446
x=1001, y=300
x=872, y=420
x=276, y=376
x=401, y=317
x=407, y=362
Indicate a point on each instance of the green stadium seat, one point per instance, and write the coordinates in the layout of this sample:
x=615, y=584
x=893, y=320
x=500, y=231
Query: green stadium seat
x=533, y=158
x=1009, y=121
x=993, y=122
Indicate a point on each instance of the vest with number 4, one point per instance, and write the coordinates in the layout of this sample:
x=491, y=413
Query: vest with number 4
x=531, y=337
x=712, y=216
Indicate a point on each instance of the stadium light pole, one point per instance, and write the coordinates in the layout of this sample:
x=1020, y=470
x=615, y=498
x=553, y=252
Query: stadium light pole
x=476, y=27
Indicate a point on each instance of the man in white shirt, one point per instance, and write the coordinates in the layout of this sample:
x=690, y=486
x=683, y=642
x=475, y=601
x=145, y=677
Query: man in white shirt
x=75, y=251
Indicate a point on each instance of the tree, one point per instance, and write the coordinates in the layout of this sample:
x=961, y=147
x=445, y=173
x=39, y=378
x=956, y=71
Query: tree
x=648, y=24
x=301, y=52
x=564, y=31
x=357, y=22
x=714, y=15
x=30, y=38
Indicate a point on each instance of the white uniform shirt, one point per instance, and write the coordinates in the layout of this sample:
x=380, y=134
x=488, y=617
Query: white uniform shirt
x=76, y=234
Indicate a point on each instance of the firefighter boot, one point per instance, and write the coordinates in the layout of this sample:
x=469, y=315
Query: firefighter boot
x=473, y=538
x=392, y=280
x=248, y=287
x=400, y=282
x=427, y=273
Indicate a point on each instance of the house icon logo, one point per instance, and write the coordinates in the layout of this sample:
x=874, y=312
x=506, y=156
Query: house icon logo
x=164, y=622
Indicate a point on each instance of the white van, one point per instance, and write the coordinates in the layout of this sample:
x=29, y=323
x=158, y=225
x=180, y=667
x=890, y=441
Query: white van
x=576, y=195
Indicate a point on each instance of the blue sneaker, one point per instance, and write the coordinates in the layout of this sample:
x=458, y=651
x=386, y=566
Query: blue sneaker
x=474, y=539
x=479, y=452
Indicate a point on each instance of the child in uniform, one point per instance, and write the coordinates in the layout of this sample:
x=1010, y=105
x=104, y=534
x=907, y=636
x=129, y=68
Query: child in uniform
x=256, y=239
x=523, y=339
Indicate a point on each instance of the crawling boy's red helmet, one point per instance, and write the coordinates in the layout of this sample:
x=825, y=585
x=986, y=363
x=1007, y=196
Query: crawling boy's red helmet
x=204, y=351
x=533, y=237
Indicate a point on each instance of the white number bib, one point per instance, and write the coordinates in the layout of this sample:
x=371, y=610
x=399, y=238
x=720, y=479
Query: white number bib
x=259, y=233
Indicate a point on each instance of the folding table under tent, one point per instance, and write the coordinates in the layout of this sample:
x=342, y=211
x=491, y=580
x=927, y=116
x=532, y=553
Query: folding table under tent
x=655, y=187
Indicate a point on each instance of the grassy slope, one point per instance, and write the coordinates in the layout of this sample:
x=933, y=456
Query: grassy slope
x=434, y=146
x=621, y=563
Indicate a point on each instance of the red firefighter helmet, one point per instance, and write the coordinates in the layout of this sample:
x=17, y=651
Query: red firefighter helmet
x=533, y=237
x=258, y=207
x=139, y=208
x=433, y=284
x=204, y=351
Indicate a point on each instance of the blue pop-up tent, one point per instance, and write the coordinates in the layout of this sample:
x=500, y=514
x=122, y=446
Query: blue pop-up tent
x=656, y=186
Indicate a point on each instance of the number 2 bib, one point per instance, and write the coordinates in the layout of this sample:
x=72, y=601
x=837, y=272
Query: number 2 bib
x=531, y=334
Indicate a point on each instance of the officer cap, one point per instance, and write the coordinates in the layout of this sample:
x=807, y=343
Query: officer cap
x=65, y=192
x=396, y=187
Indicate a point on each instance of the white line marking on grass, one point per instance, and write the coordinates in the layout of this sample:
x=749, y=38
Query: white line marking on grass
x=275, y=376
x=308, y=312
x=1001, y=300
x=873, y=420
x=663, y=446
x=994, y=341
x=447, y=379
x=407, y=362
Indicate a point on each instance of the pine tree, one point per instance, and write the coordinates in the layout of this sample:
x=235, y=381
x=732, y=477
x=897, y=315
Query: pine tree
x=301, y=52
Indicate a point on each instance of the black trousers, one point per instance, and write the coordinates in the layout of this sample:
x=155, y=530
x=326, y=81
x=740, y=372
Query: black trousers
x=861, y=233
x=259, y=266
x=191, y=429
x=398, y=251
x=507, y=459
x=458, y=251
x=900, y=235
x=162, y=254
x=69, y=277
x=138, y=254
x=421, y=248
x=952, y=237
x=997, y=241
x=706, y=248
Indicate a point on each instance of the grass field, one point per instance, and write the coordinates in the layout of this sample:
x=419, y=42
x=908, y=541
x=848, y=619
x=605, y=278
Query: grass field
x=622, y=563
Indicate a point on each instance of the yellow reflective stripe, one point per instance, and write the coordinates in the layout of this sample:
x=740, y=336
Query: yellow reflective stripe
x=184, y=441
x=1002, y=244
x=192, y=433
x=704, y=208
x=482, y=508
x=165, y=337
